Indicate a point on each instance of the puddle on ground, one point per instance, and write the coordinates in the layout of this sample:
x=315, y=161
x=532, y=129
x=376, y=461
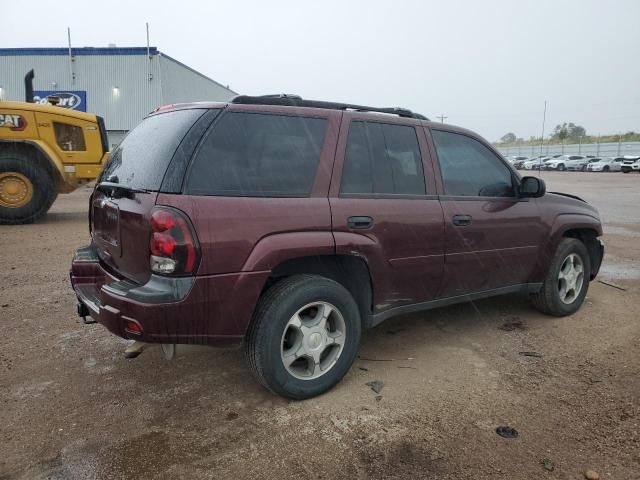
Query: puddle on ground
x=626, y=232
x=617, y=268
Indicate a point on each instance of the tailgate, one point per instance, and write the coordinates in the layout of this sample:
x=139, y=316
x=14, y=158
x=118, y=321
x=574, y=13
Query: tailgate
x=121, y=231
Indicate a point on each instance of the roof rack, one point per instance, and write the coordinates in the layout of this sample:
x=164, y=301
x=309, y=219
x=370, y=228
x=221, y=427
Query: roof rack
x=290, y=100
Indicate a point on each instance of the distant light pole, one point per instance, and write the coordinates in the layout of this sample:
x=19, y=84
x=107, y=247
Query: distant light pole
x=544, y=118
x=442, y=116
x=619, y=140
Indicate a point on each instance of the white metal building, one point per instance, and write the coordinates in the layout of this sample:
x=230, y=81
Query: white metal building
x=120, y=84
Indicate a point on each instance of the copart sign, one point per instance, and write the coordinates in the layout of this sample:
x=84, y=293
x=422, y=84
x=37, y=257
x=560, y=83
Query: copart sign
x=12, y=122
x=72, y=99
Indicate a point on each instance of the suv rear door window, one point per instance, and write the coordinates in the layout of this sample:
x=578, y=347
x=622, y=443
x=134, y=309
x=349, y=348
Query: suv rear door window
x=469, y=168
x=382, y=159
x=258, y=155
x=141, y=159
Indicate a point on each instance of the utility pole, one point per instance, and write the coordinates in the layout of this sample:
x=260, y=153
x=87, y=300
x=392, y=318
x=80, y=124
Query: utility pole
x=544, y=118
x=71, y=74
x=442, y=116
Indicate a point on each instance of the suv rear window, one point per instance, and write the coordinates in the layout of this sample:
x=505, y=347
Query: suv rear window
x=141, y=159
x=258, y=155
x=382, y=159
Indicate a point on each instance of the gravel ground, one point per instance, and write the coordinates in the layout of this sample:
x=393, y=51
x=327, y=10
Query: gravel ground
x=74, y=408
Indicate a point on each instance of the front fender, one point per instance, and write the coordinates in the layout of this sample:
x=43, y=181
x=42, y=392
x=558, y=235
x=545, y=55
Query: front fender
x=572, y=221
x=54, y=161
x=562, y=224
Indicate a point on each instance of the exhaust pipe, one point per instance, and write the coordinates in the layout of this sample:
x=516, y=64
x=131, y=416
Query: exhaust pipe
x=28, y=86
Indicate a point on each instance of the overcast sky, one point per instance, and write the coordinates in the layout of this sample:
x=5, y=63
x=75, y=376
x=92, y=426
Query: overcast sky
x=487, y=65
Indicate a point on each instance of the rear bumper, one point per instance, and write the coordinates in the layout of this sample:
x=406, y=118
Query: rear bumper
x=209, y=310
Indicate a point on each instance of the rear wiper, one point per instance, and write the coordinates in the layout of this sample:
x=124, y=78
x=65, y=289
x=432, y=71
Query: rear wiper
x=116, y=186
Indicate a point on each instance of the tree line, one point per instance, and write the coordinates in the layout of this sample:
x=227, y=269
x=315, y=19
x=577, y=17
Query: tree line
x=568, y=133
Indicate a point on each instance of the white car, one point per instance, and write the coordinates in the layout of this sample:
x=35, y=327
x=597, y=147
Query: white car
x=535, y=163
x=630, y=163
x=517, y=161
x=581, y=165
x=605, y=165
x=560, y=163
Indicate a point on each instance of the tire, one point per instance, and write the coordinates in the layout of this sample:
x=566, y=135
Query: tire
x=605, y=168
x=271, y=337
x=549, y=298
x=561, y=167
x=16, y=165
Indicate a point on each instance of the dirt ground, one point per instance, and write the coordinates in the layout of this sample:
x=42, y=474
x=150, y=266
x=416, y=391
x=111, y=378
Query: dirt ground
x=72, y=407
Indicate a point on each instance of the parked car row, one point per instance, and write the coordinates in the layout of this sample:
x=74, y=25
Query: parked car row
x=579, y=163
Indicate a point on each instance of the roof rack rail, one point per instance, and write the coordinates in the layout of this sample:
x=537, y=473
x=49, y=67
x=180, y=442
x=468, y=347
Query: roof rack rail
x=290, y=100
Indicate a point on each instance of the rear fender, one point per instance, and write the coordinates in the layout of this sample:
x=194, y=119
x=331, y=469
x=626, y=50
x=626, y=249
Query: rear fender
x=274, y=249
x=348, y=243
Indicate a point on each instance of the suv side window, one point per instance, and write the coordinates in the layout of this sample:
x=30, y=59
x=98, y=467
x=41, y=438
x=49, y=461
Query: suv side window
x=382, y=158
x=69, y=137
x=469, y=168
x=258, y=155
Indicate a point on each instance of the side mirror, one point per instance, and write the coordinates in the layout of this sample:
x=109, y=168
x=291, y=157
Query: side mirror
x=532, y=187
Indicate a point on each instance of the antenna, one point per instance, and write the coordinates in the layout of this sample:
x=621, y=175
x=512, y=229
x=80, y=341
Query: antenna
x=544, y=118
x=149, y=53
x=71, y=74
x=442, y=117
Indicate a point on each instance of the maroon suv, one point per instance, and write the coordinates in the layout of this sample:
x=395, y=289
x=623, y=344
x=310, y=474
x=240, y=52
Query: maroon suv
x=292, y=224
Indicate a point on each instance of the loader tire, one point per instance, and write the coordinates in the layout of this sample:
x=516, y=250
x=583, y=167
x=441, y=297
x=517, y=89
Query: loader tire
x=27, y=189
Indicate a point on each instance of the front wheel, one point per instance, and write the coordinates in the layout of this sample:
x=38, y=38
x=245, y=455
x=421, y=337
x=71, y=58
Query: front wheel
x=27, y=190
x=304, y=336
x=567, y=280
x=561, y=167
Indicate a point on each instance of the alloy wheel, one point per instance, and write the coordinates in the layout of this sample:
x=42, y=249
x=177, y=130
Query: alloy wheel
x=313, y=340
x=570, y=278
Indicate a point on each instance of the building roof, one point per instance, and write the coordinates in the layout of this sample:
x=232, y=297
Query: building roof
x=16, y=52
x=104, y=51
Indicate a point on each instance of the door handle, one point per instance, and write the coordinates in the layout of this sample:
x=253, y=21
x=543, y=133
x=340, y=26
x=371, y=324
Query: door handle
x=462, y=220
x=359, y=222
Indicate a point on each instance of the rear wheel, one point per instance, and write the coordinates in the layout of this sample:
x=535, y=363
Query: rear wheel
x=27, y=190
x=304, y=336
x=567, y=281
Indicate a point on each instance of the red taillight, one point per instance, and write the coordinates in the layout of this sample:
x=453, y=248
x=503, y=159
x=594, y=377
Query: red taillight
x=132, y=326
x=173, y=244
x=162, y=220
x=162, y=244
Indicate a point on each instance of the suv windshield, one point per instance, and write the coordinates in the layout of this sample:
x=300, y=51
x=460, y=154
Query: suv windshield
x=141, y=160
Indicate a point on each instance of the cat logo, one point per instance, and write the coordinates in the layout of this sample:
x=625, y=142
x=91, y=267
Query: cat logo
x=16, y=123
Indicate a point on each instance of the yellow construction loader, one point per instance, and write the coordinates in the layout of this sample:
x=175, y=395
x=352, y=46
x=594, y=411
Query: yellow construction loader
x=45, y=150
